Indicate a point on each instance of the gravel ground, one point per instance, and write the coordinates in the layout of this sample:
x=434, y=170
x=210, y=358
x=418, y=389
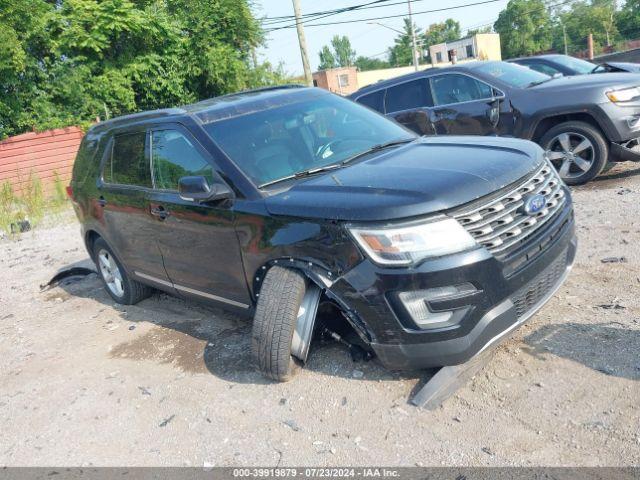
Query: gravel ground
x=166, y=382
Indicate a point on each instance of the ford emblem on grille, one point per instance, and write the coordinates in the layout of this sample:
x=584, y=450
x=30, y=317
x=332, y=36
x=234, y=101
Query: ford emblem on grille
x=534, y=203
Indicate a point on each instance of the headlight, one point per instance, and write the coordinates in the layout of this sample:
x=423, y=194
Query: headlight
x=404, y=245
x=625, y=95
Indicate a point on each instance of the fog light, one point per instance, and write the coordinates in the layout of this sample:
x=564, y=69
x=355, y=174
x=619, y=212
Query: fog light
x=633, y=122
x=416, y=303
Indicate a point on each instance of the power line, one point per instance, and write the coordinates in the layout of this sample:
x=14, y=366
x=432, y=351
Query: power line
x=364, y=6
x=327, y=13
x=455, y=7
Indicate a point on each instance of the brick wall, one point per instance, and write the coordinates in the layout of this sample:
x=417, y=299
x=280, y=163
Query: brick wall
x=44, y=154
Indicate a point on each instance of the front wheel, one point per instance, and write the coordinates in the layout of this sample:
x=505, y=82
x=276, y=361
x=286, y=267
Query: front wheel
x=281, y=304
x=578, y=150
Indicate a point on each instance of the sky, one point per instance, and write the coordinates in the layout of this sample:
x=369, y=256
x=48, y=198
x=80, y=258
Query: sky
x=370, y=40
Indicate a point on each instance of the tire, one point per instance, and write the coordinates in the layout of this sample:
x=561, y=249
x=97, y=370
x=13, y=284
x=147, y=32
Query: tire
x=274, y=323
x=117, y=282
x=579, y=166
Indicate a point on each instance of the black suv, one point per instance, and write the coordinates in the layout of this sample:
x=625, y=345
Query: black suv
x=582, y=122
x=269, y=202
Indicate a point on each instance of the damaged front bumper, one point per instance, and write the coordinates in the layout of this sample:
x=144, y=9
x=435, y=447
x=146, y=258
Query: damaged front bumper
x=626, y=151
x=502, y=298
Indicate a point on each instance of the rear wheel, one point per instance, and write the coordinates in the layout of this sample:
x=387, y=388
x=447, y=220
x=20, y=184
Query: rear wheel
x=119, y=285
x=578, y=150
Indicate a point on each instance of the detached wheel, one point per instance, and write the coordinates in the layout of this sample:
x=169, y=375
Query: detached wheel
x=119, y=285
x=283, y=323
x=578, y=150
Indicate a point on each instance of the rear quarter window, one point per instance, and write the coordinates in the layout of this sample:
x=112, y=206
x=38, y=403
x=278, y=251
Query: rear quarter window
x=85, y=159
x=374, y=100
x=127, y=163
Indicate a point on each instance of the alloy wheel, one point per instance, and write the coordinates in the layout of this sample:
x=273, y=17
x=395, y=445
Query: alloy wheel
x=572, y=154
x=110, y=273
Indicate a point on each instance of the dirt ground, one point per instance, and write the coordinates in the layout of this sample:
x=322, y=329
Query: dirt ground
x=86, y=382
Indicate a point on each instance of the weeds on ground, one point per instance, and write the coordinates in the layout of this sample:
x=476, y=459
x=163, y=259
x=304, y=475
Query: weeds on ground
x=31, y=204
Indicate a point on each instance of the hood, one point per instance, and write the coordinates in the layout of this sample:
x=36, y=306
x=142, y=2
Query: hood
x=426, y=176
x=604, y=80
x=626, y=66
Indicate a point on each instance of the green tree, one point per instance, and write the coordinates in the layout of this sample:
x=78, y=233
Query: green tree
x=340, y=54
x=65, y=62
x=327, y=59
x=345, y=55
x=476, y=31
x=627, y=20
x=597, y=17
x=524, y=27
x=366, y=63
x=401, y=54
x=446, y=31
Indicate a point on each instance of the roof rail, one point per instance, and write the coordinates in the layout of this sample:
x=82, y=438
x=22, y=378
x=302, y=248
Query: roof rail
x=266, y=89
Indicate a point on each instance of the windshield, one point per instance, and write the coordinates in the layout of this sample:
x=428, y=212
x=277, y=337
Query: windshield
x=324, y=130
x=576, y=64
x=513, y=74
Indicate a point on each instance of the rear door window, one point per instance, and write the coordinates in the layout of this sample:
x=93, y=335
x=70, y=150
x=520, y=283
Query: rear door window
x=408, y=95
x=174, y=156
x=455, y=88
x=373, y=100
x=127, y=164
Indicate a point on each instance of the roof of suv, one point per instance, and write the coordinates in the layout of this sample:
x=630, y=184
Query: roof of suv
x=414, y=75
x=548, y=56
x=240, y=102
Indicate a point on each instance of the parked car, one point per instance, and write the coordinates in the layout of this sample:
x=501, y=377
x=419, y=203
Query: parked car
x=269, y=202
x=555, y=64
x=582, y=122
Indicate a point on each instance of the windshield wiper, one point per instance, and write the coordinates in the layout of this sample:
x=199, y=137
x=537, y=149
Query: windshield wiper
x=332, y=166
x=376, y=148
x=304, y=173
x=540, y=82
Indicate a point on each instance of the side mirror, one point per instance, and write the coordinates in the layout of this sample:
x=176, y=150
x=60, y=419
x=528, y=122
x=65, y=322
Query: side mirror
x=197, y=189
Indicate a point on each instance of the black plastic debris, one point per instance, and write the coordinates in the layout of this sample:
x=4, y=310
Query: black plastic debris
x=448, y=380
x=20, y=226
x=614, y=260
x=166, y=421
x=70, y=272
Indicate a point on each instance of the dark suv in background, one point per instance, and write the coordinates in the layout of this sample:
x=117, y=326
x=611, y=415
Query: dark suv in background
x=582, y=122
x=272, y=201
x=555, y=64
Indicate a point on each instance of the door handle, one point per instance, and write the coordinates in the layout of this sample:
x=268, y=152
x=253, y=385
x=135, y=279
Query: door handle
x=160, y=212
x=101, y=201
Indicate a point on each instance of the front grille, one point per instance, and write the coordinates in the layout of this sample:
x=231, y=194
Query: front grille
x=501, y=223
x=527, y=297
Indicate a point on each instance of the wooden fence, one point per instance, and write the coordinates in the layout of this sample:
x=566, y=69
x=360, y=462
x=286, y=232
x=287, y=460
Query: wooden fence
x=46, y=155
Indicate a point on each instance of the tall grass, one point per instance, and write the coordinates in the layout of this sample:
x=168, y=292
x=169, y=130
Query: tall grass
x=31, y=204
x=7, y=203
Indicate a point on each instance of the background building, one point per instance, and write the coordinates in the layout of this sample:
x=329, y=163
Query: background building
x=483, y=46
x=341, y=80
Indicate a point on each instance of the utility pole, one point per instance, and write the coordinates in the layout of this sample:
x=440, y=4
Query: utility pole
x=303, y=43
x=414, y=48
x=564, y=36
